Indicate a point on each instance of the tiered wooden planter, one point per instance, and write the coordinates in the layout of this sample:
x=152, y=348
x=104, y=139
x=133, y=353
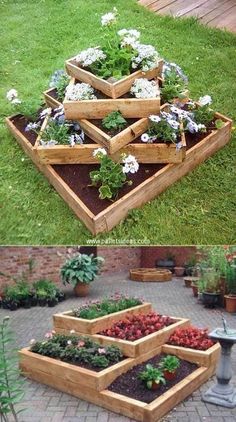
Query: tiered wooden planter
x=150, y=274
x=66, y=321
x=115, y=146
x=129, y=107
x=164, y=176
x=90, y=386
x=133, y=348
x=112, y=89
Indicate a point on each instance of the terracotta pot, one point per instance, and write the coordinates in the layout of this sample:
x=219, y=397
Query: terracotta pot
x=195, y=289
x=169, y=376
x=179, y=271
x=230, y=303
x=155, y=386
x=81, y=289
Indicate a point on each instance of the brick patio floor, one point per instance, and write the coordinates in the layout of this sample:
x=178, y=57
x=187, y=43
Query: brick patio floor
x=44, y=404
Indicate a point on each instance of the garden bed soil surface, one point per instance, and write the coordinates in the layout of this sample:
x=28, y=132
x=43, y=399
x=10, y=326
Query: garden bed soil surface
x=129, y=385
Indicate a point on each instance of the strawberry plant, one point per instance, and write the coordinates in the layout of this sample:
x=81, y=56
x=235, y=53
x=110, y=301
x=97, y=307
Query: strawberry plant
x=135, y=327
x=191, y=337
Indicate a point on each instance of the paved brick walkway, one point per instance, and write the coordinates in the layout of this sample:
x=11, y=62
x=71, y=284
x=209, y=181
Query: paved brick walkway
x=44, y=404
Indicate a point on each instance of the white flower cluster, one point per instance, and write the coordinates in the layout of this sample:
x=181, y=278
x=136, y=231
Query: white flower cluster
x=130, y=164
x=45, y=113
x=12, y=96
x=146, y=57
x=129, y=38
x=143, y=88
x=206, y=100
x=87, y=57
x=173, y=67
x=109, y=18
x=79, y=92
x=99, y=152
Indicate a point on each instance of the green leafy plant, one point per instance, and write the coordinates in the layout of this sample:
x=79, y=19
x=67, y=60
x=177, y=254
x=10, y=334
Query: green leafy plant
x=231, y=278
x=81, y=269
x=173, y=87
x=11, y=386
x=203, y=115
x=114, y=121
x=106, y=306
x=60, y=80
x=169, y=363
x=150, y=375
x=58, y=132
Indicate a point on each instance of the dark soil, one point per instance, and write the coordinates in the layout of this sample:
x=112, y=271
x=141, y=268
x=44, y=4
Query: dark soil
x=129, y=385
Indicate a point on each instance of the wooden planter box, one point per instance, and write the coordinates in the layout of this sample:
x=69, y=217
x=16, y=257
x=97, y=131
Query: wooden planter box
x=115, y=89
x=201, y=357
x=30, y=361
x=65, y=321
x=68, y=382
x=150, y=274
x=115, y=146
x=143, y=345
x=163, y=178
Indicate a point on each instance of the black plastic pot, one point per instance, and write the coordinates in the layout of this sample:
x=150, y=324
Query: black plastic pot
x=210, y=300
x=42, y=302
x=26, y=303
x=61, y=296
x=169, y=264
x=52, y=303
x=5, y=304
x=34, y=301
x=13, y=306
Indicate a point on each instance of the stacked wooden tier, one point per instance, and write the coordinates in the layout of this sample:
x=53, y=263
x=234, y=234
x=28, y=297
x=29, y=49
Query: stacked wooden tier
x=94, y=386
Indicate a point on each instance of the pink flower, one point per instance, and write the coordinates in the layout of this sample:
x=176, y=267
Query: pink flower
x=49, y=334
x=81, y=343
x=32, y=341
x=102, y=351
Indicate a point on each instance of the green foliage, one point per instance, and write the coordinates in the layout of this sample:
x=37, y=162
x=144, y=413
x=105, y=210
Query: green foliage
x=169, y=363
x=11, y=386
x=151, y=374
x=214, y=257
x=231, y=278
x=109, y=178
x=173, y=87
x=61, y=85
x=105, y=307
x=203, y=115
x=78, y=350
x=162, y=130
x=45, y=289
x=81, y=269
x=114, y=121
x=57, y=132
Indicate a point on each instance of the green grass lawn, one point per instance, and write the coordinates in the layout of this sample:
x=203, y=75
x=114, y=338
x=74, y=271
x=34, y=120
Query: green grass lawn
x=36, y=38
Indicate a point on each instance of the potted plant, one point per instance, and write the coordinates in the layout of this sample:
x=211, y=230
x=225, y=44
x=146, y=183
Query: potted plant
x=42, y=297
x=152, y=377
x=230, y=298
x=190, y=266
x=168, y=263
x=80, y=271
x=211, y=289
x=169, y=366
x=52, y=298
x=179, y=271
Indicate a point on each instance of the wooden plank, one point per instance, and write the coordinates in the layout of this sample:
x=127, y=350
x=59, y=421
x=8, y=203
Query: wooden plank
x=139, y=347
x=217, y=12
x=113, y=90
x=205, y=358
x=66, y=321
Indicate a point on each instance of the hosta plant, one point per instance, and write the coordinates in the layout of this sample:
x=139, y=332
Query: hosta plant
x=81, y=268
x=76, y=350
x=112, y=175
x=152, y=375
x=109, y=305
x=191, y=337
x=135, y=327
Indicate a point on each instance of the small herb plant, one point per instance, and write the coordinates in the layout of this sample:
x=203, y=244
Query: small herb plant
x=169, y=363
x=76, y=350
x=165, y=127
x=114, y=121
x=59, y=80
x=96, y=309
x=150, y=375
x=111, y=175
x=81, y=268
x=11, y=386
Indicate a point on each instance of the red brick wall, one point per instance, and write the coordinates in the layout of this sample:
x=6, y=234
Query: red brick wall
x=119, y=259
x=181, y=254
